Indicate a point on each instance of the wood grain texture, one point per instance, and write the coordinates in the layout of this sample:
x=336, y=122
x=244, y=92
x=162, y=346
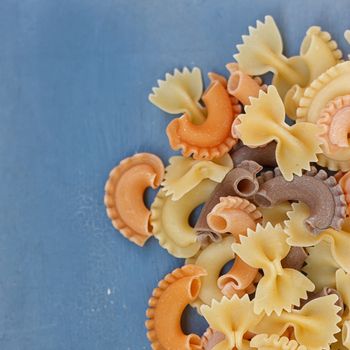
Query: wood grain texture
x=74, y=81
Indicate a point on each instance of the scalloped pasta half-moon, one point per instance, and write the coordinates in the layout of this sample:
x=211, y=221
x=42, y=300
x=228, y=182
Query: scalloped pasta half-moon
x=168, y=301
x=170, y=220
x=124, y=191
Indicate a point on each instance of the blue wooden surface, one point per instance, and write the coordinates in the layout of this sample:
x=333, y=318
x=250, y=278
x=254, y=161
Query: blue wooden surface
x=74, y=80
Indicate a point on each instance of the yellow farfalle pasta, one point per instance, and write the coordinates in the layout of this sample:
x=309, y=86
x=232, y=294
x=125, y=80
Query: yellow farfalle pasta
x=276, y=214
x=184, y=174
x=263, y=122
x=275, y=342
x=320, y=266
x=180, y=93
x=314, y=325
x=233, y=317
x=212, y=258
x=279, y=289
x=300, y=236
x=169, y=220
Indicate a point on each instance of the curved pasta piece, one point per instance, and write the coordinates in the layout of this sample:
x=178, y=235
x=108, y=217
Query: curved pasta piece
x=342, y=282
x=168, y=301
x=312, y=188
x=212, y=259
x=275, y=342
x=297, y=145
x=261, y=52
x=344, y=183
x=233, y=317
x=240, y=181
x=184, y=174
x=328, y=86
x=275, y=214
x=314, y=325
x=279, y=289
x=180, y=92
x=295, y=259
x=320, y=266
x=301, y=237
x=124, y=191
x=335, y=120
x=263, y=155
x=212, y=138
x=346, y=334
x=211, y=338
x=169, y=220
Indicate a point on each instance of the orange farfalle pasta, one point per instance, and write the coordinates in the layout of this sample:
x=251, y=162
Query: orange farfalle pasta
x=168, y=301
x=235, y=215
x=212, y=138
x=124, y=195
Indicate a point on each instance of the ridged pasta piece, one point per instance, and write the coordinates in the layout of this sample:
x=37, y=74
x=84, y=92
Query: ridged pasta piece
x=233, y=317
x=344, y=183
x=124, y=192
x=180, y=92
x=314, y=325
x=320, y=266
x=211, y=338
x=328, y=86
x=300, y=236
x=169, y=220
x=168, y=301
x=276, y=214
x=212, y=258
x=297, y=145
x=279, y=289
x=212, y=138
x=275, y=342
x=184, y=174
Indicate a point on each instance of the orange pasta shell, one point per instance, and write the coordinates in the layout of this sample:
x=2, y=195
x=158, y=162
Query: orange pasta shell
x=124, y=195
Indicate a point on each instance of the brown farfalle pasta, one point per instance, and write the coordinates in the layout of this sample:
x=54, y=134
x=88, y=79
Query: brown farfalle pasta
x=168, y=301
x=124, y=195
x=317, y=190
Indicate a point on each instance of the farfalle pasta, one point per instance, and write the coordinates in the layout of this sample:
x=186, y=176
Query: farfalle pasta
x=170, y=220
x=124, y=191
x=314, y=325
x=279, y=289
x=232, y=317
x=184, y=174
x=297, y=145
x=301, y=237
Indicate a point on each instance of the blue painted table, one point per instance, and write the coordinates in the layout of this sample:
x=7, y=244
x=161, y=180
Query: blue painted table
x=74, y=81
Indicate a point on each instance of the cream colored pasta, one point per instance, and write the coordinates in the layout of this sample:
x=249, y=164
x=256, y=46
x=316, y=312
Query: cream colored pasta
x=233, y=317
x=169, y=220
x=184, y=174
x=276, y=214
x=279, y=289
x=275, y=342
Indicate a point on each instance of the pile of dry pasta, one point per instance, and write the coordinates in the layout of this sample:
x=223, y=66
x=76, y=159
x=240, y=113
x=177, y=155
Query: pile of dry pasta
x=271, y=204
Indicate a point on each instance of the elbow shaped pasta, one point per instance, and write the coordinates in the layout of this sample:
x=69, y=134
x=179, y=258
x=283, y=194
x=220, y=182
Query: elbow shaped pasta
x=169, y=220
x=212, y=259
x=280, y=288
x=212, y=138
x=275, y=342
x=233, y=317
x=124, y=195
x=300, y=236
x=180, y=93
x=320, y=266
x=314, y=325
x=297, y=145
x=184, y=174
x=168, y=301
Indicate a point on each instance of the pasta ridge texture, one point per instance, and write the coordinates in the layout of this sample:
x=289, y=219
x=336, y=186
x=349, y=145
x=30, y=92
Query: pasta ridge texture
x=166, y=306
x=299, y=235
x=169, y=220
x=318, y=314
x=180, y=92
x=297, y=145
x=129, y=180
x=280, y=288
x=184, y=174
x=275, y=342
